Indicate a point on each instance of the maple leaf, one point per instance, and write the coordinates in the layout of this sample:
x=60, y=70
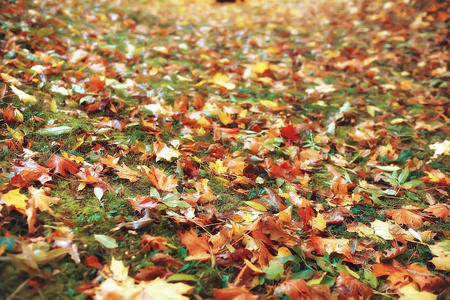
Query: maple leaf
x=294, y=289
x=38, y=200
x=29, y=170
x=95, y=84
x=62, y=165
x=439, y=210
x=290, y=132
x=319, y=222
x=260, y=67
x=16, y=199
x=109, y=161
x=161, y=289
x=222, y=80
x=218, y=167
x=197, y=246
x=143, y=202
x=441, y=148
x=125, y=172
x=164, y=152
x=404, y=216
x=442, y=251
x=159, y=179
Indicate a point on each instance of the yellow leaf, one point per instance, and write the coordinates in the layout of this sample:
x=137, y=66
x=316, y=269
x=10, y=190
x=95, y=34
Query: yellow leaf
x=406, y=85
x=164, y=152
x=225, y=118
x=223, y=80
x=23, y=96
x=442, y=261
x=382, y=229
x=218, y=166
x=161, y=289
x=79, y=143
x=317, y=280
x=268, y=103
x=260, y=67
x=283, y=251
x=411, y=292
x=14, y=197
x=17, y=135
x=203, y=122
x=256, y=205
x=120, y=272
x=319, y=222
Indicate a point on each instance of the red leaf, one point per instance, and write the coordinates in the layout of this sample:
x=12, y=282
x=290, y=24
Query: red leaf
x=92, y=262
x=290, y=132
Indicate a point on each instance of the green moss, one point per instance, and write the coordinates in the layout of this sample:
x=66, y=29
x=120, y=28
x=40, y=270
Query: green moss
x=226, y=200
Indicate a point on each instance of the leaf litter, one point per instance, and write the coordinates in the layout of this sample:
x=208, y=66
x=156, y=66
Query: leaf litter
x=179, y=149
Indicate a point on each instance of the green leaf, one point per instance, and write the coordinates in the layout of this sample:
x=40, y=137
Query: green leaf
x=182, y=277
x=404, y=175
x=173, y=200
x=324, y=265
x=52, y=131
x=106, y=241
x=274, y=271
x=305, y=274
x=370, y=278
x=273, y=143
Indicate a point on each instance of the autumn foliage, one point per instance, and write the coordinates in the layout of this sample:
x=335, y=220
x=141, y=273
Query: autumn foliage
x=250, y=150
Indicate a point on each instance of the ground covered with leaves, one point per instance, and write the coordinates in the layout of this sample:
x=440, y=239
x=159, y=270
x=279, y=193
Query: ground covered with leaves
x=258, y=150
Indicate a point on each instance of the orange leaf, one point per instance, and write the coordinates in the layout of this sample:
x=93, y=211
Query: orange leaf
x=95, y=84
x=234, y=293
x=150, y=242
x=38, y=200
x=294, y=288
x=159, y=179
x=439, y=210
x=125, y=172
x=60, y=165
x=404, y=216
x=197, y=246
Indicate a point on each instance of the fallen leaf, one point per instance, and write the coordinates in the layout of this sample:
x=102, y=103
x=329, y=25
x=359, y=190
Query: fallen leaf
x=23, y=96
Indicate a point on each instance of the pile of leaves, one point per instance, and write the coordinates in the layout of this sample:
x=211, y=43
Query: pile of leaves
x=176, y=149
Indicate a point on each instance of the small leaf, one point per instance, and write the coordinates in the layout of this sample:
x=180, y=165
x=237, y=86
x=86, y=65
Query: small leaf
x=17, y=135
x=370, y=278
x=182, y=277
x=52, y=131
x=256, y=205
x=106, y=241
x=99, y=193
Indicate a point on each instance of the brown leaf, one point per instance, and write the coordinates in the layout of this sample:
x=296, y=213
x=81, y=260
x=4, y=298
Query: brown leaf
x=349, y=287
